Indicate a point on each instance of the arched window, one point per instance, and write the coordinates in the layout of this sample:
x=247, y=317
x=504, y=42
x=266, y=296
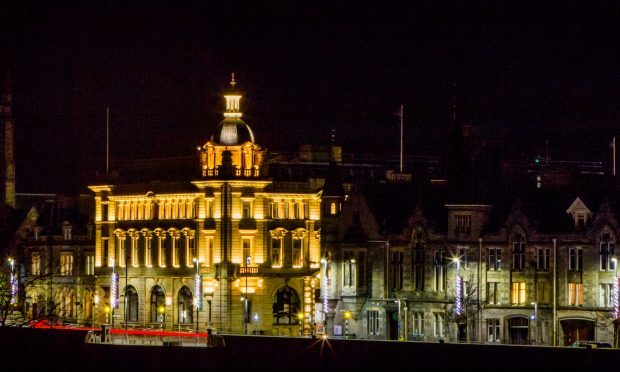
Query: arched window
x=158, y=305
x=185, y=302
x=132, y=304
x=285, y=306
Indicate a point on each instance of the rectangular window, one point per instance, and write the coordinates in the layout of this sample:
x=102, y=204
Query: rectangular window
x=275, y=210
x=66, y=263
x=493, y=329
x=606, y=253
x=543, y=293
x=361, y=268
x=463, y=224
x=492, y=293
x=418, y=266
x=575, y=258
x=89, y=265
x=348, y=267
x=105, y=251
x=542, y=258
x=397, y=270
x=439, y=273
x=246, y=209
x=463, y=257
x=418, y=324
x=298, y=258
x=518, y=255
x=209, y=209
x=276, y=252
x=296, y=210
x=36, y=264
x=606, y=295
x=438, y=324
x=285, y=210
x=575, y=294
x=517, y=295
x=373, y=322
x=210, y=251
x=246, y=244
x=495, y=259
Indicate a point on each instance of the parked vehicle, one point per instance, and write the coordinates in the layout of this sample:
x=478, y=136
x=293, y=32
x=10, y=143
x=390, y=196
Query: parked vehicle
x=591, y=344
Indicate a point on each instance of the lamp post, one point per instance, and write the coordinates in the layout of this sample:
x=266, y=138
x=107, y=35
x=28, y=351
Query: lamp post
x=347, y=316
x=246, y=315
x=535, y=320
x=95, y=307
x=398, y=302
x=126, y=299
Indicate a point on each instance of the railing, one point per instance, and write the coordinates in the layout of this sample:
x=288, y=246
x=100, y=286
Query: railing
x=247, y=270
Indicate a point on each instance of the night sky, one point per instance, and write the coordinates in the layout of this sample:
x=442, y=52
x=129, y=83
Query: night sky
x=523, y=73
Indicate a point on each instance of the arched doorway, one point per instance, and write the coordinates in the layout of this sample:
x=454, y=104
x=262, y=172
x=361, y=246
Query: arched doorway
x=518, y=330
x=132, y=305
x=158, y=305
x=285, y=306
x=185, y=306
x=577, y=330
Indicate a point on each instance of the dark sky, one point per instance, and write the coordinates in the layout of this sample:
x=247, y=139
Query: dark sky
x=523, y=73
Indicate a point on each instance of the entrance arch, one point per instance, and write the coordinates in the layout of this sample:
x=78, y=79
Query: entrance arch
x=518, y=330
x=577, y=329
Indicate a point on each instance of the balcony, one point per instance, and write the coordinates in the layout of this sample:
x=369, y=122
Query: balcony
x=248, y=270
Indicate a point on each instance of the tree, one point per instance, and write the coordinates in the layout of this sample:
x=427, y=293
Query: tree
x=469, y=306
x=606, y=322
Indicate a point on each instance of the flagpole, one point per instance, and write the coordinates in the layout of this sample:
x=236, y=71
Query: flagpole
x=401, y=138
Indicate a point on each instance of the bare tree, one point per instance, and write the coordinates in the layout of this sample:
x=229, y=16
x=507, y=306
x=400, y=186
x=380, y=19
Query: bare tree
x=468, y=307
x=606, y=322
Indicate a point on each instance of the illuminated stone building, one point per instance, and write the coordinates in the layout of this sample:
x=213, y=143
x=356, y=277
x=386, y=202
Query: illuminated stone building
x=254, y=243
x=434, y=262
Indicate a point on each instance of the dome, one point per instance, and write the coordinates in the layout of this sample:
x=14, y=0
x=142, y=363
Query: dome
x=233, y=131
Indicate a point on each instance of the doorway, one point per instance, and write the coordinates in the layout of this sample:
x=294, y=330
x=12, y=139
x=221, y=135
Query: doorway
x=518, y=330
x=577, y=330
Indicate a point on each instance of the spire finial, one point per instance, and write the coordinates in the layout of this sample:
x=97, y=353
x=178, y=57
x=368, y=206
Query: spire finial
x=232, y=80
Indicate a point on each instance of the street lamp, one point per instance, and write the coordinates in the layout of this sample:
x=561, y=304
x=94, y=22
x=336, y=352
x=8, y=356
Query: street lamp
x=535, y=319
x=347, y=316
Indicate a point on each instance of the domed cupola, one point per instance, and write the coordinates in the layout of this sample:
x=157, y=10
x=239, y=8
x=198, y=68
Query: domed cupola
x=235, y=138
x=232, y=130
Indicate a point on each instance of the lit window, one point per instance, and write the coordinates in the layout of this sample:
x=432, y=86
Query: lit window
x=575, y=294
x=246, y=245
x=185, y=306
x=518, y=293
x=210, y=250
x=66, y=263
x=246, y=209
x=276, y=251
x=90, y=265
x=332, y=208
x=36, y=264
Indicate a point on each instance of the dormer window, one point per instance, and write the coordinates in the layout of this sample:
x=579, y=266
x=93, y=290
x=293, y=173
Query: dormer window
x=463, y=223
x=580, y=213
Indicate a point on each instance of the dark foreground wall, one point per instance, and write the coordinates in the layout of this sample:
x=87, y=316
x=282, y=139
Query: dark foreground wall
x=51, y=350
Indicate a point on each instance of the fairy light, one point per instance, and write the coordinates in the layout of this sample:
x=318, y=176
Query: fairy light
x=197, y=291
x=114, y=291
x=615, y=299
x=324, y=287
x=458, y=301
